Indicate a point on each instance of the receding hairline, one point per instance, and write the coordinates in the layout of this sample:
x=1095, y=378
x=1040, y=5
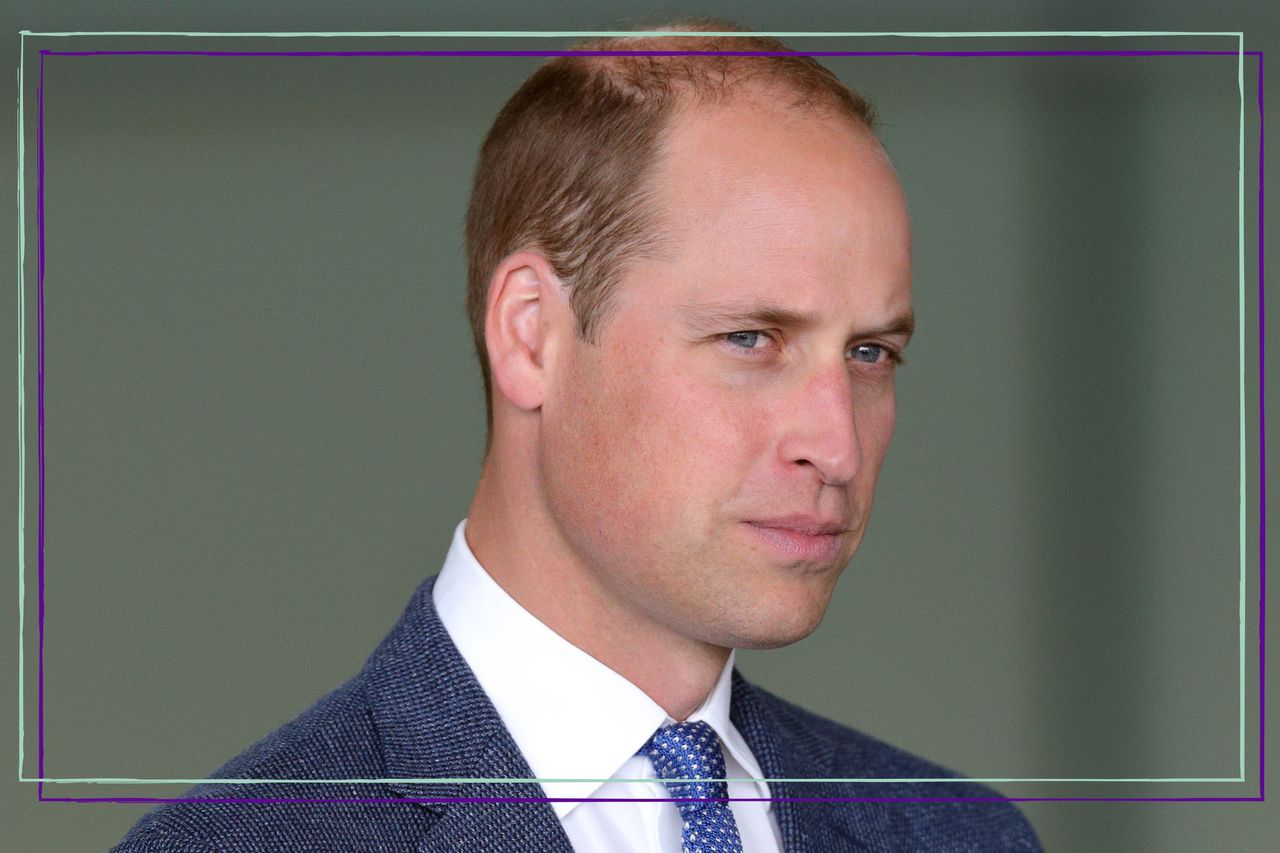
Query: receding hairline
x=630, y=69
x=763, y=93
x=687, y=94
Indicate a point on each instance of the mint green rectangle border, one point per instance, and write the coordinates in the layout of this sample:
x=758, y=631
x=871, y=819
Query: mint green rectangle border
x=22, y=442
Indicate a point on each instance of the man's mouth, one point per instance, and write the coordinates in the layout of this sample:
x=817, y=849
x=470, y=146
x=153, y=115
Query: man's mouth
x=802, y=537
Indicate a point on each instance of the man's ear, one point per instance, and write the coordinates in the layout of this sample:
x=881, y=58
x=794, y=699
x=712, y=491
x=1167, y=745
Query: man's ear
x=524, y=315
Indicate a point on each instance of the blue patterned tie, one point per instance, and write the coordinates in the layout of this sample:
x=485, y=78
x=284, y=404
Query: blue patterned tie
x=692, y=751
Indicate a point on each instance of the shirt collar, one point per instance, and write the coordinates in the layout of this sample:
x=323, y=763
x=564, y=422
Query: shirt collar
x=572, y=717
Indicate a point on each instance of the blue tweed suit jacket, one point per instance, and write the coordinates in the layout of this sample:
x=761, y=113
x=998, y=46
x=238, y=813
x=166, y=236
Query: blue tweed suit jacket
x=416, y=711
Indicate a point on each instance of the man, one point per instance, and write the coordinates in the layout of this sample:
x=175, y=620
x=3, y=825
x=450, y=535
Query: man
x=690, y=286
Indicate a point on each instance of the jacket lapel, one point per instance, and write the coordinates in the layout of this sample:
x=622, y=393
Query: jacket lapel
x=434, y=721
x=790, y=749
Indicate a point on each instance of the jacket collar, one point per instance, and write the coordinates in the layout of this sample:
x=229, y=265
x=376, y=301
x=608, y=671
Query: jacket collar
x=435, y=722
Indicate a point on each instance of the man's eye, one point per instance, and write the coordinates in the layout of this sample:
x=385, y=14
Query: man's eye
x=744, y=340
x=872, y=353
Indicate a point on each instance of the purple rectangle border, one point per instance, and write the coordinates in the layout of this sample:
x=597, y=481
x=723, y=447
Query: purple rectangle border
x=1262, y=460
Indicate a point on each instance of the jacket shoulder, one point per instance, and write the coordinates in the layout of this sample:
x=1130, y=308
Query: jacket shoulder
x=334, y=739
x=917, y=803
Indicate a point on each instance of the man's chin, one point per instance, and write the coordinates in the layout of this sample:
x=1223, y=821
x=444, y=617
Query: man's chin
x=780, y=626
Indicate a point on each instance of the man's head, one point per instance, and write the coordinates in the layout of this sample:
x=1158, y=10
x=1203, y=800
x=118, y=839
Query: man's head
x=691, y=328
x=565, y=168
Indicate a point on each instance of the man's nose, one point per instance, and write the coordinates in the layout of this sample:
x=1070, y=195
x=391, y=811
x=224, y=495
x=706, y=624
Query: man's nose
x=821, y=428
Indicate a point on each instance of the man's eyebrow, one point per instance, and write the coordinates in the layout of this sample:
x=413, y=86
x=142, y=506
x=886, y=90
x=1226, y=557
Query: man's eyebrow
x=903, y=325
x=717, y=315
x=749, y=315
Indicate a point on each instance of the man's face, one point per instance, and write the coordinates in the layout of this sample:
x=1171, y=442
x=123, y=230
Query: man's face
x=711, y=460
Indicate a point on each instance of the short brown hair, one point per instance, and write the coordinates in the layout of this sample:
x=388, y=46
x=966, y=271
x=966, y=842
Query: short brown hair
x=564, y=169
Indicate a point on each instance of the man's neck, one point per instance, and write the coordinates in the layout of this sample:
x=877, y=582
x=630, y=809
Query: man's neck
x=524, y=555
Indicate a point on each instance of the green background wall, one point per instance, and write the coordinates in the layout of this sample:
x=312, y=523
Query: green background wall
x=263, y=418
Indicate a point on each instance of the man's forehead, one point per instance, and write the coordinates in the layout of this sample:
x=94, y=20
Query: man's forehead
x=774, y=216
x=757, y=106
x=726, y=155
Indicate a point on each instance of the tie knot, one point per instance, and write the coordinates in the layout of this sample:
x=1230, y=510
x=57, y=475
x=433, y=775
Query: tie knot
x=691, y=751
x=688, y=751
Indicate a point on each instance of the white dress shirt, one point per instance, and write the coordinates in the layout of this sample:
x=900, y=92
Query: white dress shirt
x=576, y=719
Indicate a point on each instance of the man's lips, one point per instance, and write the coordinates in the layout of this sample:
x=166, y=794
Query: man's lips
x=803, y=537
x=812, y=525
